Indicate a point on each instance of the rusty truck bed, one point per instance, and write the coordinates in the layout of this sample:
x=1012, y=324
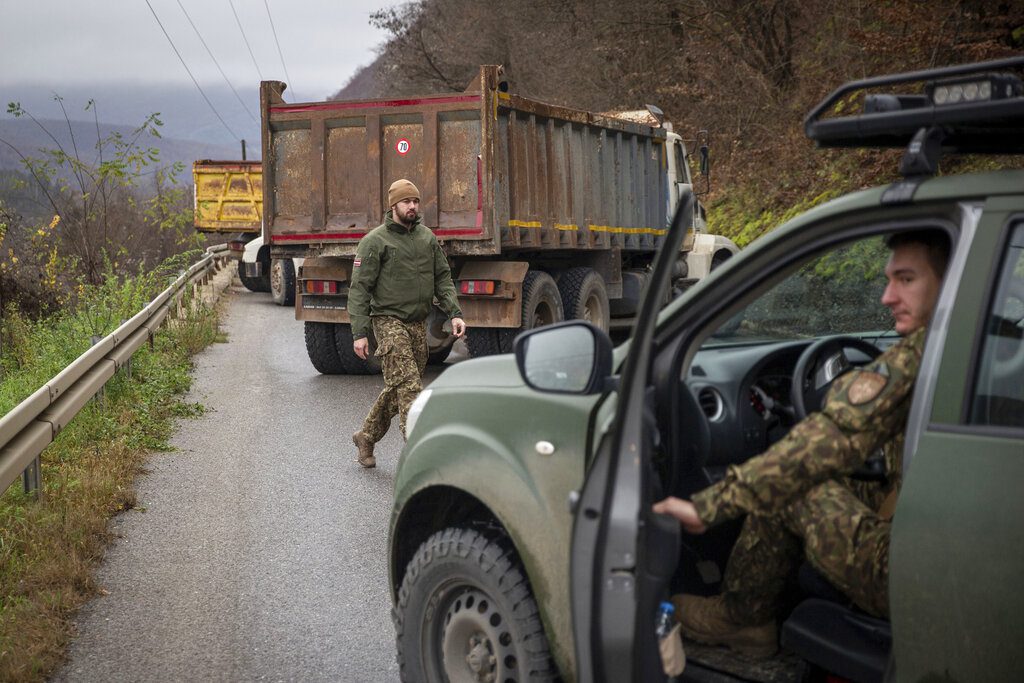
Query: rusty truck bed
x=498, y=173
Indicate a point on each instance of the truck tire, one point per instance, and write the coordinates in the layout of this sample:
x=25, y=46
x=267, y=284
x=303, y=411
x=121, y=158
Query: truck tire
x=439, y=355
x=282, y=281
x=321, y=348
x=250, y=283
x=542, y=305
x=465, y=592
x=488, y=341
x=353, y=364
x=584, y=296
x=264, y=280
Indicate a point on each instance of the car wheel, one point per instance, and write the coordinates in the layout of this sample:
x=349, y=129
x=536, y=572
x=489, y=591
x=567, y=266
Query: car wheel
x=353, y=364
x=321, y=348
x=465, y=613
x=282, y=281
x=584, y=296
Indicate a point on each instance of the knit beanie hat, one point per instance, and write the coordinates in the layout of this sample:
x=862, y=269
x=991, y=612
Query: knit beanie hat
x=401, y=189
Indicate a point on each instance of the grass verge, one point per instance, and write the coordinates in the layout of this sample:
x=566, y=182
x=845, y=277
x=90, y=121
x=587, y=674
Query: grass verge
x=50, y=547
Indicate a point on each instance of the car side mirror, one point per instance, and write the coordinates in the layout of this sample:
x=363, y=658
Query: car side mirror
x=572, y=357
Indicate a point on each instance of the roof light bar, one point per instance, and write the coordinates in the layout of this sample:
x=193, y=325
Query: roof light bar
x=962, y=90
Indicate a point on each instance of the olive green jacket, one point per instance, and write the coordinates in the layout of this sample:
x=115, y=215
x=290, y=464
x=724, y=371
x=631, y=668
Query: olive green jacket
x=864, y=409
x=398, y=272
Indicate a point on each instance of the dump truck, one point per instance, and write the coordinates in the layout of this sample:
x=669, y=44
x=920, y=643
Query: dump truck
x=545, y=212
x=229, y=202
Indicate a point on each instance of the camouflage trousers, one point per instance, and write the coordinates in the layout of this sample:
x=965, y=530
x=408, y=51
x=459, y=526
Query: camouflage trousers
x=402, y=352
x=838, y=531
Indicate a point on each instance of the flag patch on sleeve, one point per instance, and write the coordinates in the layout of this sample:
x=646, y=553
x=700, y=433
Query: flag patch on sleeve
x=355, y=264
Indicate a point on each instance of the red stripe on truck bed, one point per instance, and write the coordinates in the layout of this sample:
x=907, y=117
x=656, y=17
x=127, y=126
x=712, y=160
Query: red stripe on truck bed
x=329, y=106
x=323, y=236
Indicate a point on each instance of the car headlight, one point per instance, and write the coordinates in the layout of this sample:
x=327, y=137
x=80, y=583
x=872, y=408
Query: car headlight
x=414, y=411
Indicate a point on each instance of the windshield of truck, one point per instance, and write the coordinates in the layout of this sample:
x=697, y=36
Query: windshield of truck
x=838, y=292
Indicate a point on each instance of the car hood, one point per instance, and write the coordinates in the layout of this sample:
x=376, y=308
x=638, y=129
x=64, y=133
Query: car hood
x=491, y=371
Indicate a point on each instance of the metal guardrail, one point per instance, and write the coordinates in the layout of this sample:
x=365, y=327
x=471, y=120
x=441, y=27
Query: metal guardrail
x=34, y=423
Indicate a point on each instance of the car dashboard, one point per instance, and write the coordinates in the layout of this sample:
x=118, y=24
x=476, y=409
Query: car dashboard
x=744, y=391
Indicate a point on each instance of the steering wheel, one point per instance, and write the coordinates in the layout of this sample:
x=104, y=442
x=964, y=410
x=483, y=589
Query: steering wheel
x=819, y=365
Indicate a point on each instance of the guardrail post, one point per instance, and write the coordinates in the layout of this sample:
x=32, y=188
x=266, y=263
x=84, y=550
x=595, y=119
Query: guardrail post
x=32, y=477
x=102, y=393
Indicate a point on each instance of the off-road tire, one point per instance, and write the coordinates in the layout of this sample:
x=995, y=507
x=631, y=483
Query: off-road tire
x=459, y=586
x=353, y=364
x=320, y=347
x=282, y=282
x=584, y=296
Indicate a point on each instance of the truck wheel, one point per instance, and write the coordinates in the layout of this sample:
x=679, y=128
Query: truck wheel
x=488, y=341
x=321, y=349
x=465, y=612
x=353, y=364
x=264, y=259
x=542, y=304
x=439, y=355
x=584, y=296
x=250, y=283
x=282, y=281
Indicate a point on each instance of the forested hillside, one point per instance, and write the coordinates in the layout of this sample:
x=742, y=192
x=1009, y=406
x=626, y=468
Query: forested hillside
x=747, y=71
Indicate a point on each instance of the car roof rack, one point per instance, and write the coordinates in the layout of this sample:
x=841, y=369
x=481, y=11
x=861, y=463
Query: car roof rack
x=966, y=109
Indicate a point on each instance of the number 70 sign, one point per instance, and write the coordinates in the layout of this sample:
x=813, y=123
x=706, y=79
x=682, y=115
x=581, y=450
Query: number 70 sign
x=402, y=147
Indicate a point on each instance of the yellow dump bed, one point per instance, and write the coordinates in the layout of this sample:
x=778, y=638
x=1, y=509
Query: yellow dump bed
x=229, y=196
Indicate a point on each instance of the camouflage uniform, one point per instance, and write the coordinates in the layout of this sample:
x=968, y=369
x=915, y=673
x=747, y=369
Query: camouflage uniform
x=398, y=272
x=402, y=351
x=801, y=504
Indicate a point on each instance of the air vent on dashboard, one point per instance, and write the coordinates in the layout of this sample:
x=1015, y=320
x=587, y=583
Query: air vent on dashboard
x=711, y=403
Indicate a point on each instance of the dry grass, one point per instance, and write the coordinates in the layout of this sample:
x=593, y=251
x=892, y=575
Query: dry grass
x=49, y=548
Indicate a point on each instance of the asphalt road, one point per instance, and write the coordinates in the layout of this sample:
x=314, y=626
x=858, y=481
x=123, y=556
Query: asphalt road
x=258, y=549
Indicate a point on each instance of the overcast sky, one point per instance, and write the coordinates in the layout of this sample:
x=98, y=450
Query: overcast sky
x=59, y=43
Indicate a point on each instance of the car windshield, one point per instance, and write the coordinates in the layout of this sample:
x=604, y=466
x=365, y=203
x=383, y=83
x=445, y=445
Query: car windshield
x=838, y=292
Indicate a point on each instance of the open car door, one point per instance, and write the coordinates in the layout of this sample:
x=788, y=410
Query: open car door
x=623, y=555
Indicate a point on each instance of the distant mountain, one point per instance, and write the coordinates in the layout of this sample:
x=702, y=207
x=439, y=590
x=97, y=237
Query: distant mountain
x=26, y=136
x=184, y=113
x=367, y=82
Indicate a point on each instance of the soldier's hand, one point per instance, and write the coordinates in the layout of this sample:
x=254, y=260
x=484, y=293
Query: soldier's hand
x=684, y=511
x=458, y=327
x=361, y=347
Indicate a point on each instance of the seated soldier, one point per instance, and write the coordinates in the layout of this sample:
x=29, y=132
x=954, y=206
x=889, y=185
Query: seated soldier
x=797, y=497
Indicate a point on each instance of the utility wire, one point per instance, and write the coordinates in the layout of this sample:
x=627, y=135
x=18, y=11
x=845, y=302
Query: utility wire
x=212, y=108
x=209, y=52
x=238, y=21
x=279, y=53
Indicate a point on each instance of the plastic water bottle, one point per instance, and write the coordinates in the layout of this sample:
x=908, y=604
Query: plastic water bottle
x=664, y=622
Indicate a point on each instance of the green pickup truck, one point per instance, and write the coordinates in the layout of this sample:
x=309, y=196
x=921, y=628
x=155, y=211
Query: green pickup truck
x=523, y=545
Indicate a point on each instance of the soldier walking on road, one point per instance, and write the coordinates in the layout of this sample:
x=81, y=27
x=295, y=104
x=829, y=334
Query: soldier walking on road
x=398, y=272
x=797, y=496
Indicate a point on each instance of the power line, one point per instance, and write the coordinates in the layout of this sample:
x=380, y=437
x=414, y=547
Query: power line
x=279, y=53
x=212, y=108
x=238, y=21
x=209, y=52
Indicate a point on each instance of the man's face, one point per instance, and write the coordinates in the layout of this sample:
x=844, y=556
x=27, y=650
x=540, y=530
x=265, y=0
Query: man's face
x=406, y=210
x=913, y=287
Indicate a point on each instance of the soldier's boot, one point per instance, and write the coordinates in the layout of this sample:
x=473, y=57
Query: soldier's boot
x=365, y=447
x=706, y=620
